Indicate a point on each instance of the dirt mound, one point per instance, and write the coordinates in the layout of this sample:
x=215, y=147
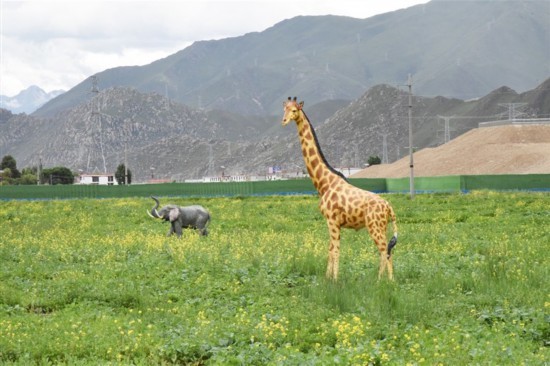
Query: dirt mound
x=511, y=149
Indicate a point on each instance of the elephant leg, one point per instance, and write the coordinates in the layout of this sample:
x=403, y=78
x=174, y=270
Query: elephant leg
x=202, y=227
x=171, y=229
x=177, y=228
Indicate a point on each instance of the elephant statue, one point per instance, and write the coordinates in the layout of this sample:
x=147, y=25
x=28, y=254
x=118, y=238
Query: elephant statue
x=192, y=217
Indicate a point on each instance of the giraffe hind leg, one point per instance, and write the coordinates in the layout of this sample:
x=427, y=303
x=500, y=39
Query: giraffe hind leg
x=385, y=259
x=390, y=267
x=383, y=265
x=332, y=266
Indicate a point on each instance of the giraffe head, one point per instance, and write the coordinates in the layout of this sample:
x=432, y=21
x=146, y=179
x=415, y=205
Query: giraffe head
x=292, y=110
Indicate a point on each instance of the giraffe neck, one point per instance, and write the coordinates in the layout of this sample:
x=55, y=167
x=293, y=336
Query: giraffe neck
x=321, y=173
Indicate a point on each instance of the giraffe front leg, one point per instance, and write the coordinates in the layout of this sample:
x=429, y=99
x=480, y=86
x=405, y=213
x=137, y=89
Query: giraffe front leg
x=334, y=251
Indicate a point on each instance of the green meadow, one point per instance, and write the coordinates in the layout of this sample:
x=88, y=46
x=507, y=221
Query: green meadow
x=96, y=281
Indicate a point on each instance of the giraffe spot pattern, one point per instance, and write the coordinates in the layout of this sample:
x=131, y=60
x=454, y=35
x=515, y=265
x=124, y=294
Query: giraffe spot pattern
x=318, y=174
x=314, y=163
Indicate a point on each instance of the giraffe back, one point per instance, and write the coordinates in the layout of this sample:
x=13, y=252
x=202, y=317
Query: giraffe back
x=355, y=208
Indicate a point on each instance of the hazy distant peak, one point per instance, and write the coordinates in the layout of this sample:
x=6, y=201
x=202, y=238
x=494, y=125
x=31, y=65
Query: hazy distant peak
x=28, y=100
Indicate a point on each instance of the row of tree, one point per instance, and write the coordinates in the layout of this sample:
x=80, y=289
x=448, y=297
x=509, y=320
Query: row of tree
x=36, y=175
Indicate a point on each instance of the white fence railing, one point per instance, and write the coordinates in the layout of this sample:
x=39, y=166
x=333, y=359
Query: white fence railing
x=524, y=121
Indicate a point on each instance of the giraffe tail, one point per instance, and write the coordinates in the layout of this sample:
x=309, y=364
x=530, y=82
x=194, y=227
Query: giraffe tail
x=393, y=240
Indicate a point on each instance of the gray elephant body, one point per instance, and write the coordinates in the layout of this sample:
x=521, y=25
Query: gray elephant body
x=181, y=217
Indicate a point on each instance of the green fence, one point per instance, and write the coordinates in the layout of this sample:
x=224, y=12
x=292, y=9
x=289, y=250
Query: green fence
x=507, y=182
x=457, y=183
x=451, y=183
x=465, y=183
x=300, y=186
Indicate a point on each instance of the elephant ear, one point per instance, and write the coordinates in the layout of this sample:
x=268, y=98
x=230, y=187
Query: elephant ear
x=174, y=214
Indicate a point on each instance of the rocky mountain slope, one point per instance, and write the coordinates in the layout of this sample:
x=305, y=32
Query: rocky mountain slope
x=460, y=49
x=180, y=142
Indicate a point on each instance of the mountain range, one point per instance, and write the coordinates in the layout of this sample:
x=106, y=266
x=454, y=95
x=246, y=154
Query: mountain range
x=167, y=140
x=216, y=105
x=28, y=100
x=461, y=49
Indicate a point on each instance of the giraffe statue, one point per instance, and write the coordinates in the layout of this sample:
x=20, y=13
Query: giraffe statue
x=342, y=204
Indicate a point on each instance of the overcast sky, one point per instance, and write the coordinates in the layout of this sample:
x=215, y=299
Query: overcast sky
x=57, y=44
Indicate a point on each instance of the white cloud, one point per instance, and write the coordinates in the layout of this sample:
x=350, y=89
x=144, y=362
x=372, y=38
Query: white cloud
x=57, y=44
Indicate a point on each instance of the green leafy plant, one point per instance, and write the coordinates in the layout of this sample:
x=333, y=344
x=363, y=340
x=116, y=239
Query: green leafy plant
x=86, y=281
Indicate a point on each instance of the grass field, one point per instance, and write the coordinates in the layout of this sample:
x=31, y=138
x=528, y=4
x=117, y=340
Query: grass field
x=89, y=281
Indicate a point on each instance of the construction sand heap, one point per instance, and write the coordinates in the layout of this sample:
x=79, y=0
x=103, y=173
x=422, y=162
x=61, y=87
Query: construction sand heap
x=510, y=149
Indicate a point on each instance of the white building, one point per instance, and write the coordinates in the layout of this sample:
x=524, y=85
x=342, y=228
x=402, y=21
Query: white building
x=348, y=171
x=97, y=179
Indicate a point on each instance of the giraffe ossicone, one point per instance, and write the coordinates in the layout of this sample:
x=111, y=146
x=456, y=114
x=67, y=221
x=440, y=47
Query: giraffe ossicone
x=342, y=204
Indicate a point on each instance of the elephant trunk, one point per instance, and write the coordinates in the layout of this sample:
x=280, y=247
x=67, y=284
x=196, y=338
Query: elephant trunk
x=154, y=213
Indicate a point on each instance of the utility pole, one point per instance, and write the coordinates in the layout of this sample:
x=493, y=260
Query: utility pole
x=411, y=161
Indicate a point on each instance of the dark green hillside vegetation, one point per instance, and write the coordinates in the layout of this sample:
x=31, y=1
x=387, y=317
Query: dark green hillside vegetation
x=90, y=282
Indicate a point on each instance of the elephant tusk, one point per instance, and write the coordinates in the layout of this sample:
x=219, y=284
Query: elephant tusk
x=153, y=213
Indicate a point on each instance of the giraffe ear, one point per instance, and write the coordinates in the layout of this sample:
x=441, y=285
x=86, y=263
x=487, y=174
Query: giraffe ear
x=301, y=104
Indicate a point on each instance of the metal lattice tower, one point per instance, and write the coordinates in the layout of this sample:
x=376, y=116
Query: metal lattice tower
x=96, y=117
x=167, y=99
x=95, y=92
x=513, y=109
x=210, y=167
x=447, y=130
x=384, y=148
